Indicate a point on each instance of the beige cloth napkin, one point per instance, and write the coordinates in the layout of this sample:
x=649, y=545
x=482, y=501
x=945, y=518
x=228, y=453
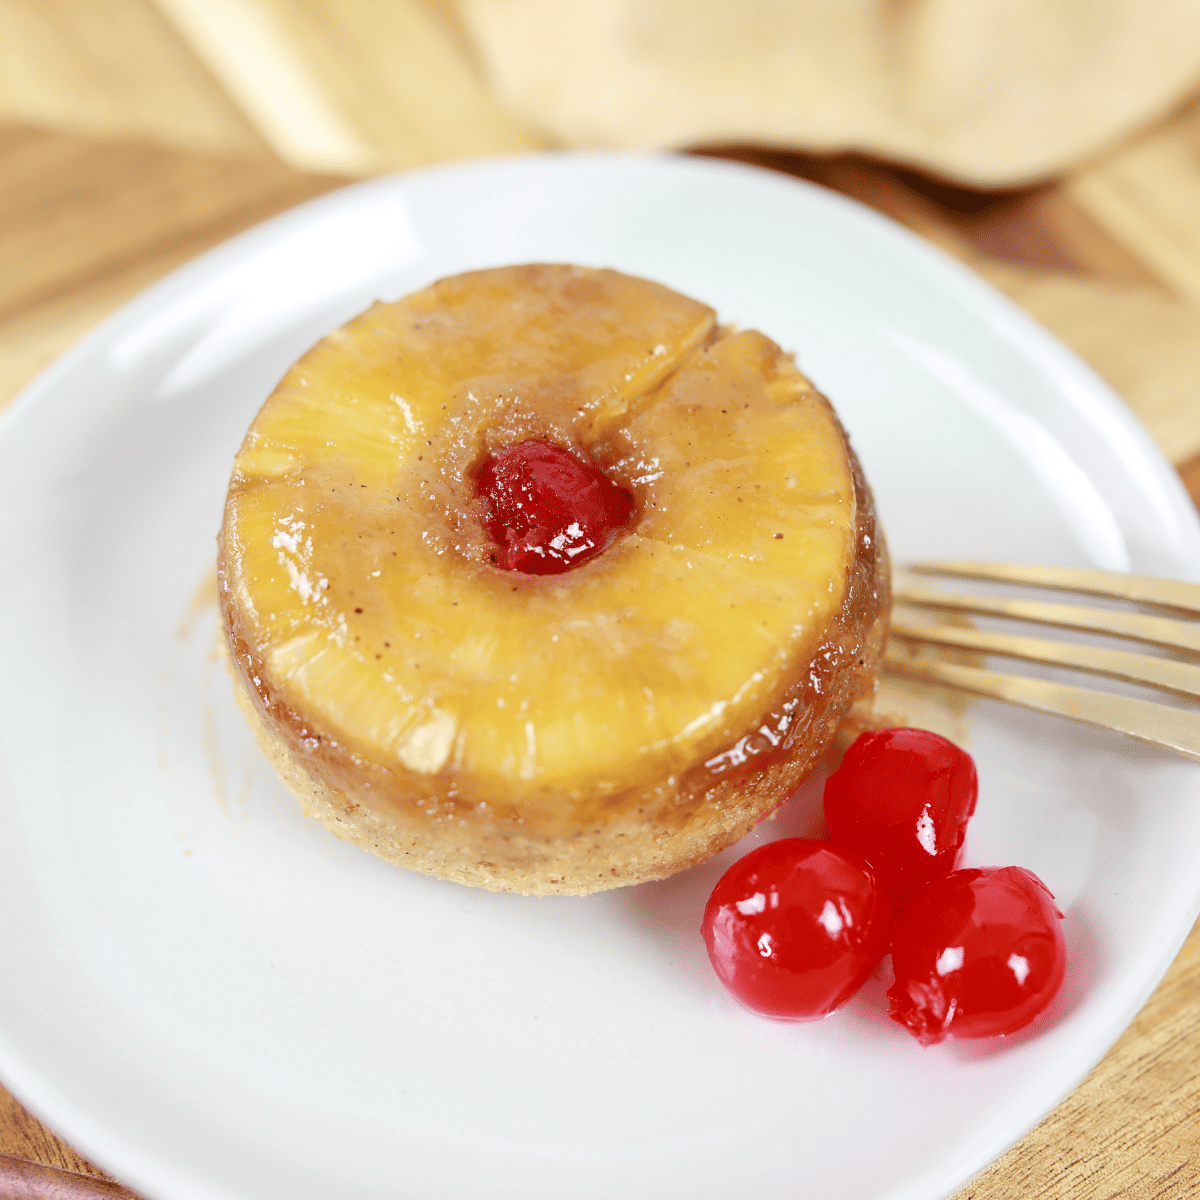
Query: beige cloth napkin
x=990, y=92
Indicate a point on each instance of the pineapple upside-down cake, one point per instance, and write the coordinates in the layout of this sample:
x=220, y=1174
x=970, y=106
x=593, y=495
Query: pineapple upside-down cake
x=541, y=580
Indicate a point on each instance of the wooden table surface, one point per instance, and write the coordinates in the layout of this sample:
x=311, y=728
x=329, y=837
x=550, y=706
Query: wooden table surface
x=136, y=133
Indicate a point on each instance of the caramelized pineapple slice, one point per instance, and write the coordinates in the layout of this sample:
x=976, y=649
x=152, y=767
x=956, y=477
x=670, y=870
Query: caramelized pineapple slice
x=358, y=566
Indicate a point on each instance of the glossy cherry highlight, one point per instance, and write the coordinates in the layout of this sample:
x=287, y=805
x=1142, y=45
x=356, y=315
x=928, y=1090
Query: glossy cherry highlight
x=978, y=953
x=795, y=927
x=902, y=798
x=547, y=509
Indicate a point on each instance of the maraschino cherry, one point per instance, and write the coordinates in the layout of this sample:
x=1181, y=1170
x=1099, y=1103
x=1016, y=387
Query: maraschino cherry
x=795, y=927
x=547, y=509
x=978, y=953
x=902, y=798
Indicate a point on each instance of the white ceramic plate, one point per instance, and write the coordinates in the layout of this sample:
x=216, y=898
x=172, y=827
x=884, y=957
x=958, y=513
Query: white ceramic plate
x=215, y=998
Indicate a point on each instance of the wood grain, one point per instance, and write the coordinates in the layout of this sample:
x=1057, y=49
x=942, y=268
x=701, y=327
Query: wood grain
x=86, y=224
x=114, y=68
x=136, y=133
x=25, y=1179
x=24, y=1136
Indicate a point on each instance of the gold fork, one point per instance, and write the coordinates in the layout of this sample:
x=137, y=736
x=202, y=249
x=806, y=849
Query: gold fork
x=1177, y=729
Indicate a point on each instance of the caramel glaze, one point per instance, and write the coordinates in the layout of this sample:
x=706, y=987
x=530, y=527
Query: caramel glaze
x=559, y=842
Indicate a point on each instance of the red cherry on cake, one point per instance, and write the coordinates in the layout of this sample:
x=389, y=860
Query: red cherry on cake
x=901, y=799
x=977, y=953
x=795, y=927
x=547, y=509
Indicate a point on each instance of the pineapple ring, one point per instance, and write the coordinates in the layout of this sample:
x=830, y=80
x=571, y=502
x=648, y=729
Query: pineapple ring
x=563, y=733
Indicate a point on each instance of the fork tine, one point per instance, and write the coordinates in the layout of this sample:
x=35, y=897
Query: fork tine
x=1157, y=631
x=1159, y=724
x=1141, y=589
x=1181, y=679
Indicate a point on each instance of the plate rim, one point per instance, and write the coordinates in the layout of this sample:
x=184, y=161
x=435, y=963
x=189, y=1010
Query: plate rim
x=1050, y=350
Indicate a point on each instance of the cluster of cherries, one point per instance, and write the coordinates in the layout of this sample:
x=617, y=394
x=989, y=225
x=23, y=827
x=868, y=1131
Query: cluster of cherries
x=795, y=927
